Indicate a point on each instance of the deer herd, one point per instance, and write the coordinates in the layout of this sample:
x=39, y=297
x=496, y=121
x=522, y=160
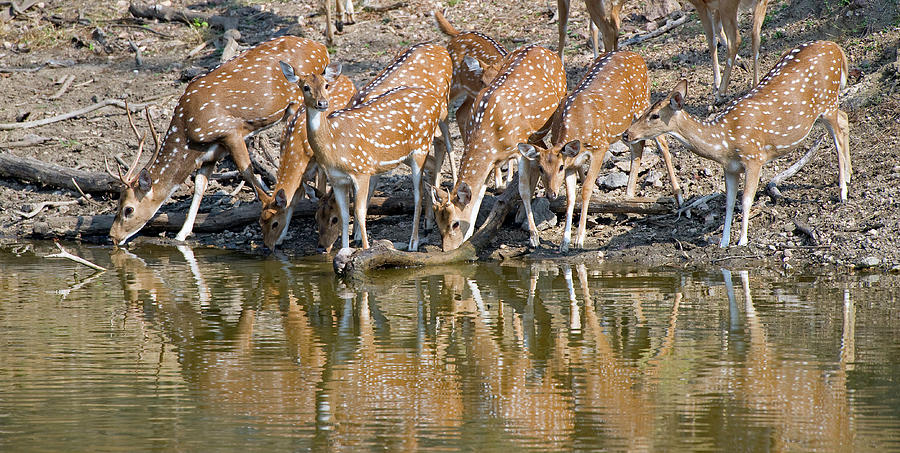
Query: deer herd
x=510, y=101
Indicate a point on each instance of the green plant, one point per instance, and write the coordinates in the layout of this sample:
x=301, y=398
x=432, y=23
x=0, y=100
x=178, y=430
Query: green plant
x=197, y=23
x=452, y=2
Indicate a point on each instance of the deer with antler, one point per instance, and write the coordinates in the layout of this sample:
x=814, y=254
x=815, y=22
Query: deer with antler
x=423, y=65
x=768, y=122
x=516, y=107
x=212, y=119
x=614, y=91
x=371, y=138
x=722, y=16
x=297, y=160
x=605, y=21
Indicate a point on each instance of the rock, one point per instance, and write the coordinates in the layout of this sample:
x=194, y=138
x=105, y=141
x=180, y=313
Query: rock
x=619, y=148
x=341, y=259
x=868, y=262
x=543, y=217
x=613, y=180
x=659, y=9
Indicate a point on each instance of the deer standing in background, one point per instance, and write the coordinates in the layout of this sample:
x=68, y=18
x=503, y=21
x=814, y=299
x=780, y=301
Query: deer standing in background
x=515, y=108
x=474, y=55
x=355, y=143
x=613, y=92
x=217, y=112
x=423, y=65
x=722, y=15
x=346, y=16
x=605, y=18
x=296, y=160
x=768, y=122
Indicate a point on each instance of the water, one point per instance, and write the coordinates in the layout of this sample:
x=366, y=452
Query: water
x=207, y=350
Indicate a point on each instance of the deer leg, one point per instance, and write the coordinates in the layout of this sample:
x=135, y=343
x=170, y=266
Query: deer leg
x=241, y=157
x=709, y=29
x=751, y=182
x=587, y=188
x=373, y=181
x=663, y=146
x=200, y=182
x=595, y=37
x=637, y=153
x=836, y=123
x=732, y=33
x=562, y=6
x=731, y=181
x=341, y=195
x=526, y=190
x=571, y=177
x=759, y=14
x=445, y=131
x=360, y=206
x=416, y=167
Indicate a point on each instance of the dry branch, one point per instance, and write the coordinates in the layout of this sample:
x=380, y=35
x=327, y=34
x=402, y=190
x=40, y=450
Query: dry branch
x=66, y=81
x=73, y=114
x=40, y=207
x=383, y=254
x=28, y=140
x=670, y=25
x=35, y=171
x=381, y=9
x=64, y=254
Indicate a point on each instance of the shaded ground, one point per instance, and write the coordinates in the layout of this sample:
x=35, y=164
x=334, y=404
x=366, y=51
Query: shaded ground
x=860, y=233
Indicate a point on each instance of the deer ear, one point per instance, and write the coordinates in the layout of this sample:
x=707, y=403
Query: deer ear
x=144, y=181
x=528, y=151
x=464, y=194
x=678, y=94
x=332, y=71
x=473, y=64
x=572, y=148
x=288, y=72
x=280, y=199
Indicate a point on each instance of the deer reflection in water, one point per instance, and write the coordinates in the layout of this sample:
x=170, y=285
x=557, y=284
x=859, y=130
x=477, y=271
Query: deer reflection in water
x=399, y=363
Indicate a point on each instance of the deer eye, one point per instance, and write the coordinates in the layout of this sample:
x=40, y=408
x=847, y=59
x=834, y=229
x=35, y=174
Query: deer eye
x=654, y=116
x=455, y=225
x=560, y=167
x=327, y=86
x=128, y=211
x=275, y=224
x=306, y=88
x=334, y=220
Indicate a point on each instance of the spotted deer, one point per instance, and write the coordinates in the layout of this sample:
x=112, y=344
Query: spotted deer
x=515, y=108
x=424, y=65
x=475, y=58
x=211, y=120
x=371, y=138
x=296, y=160
x=722, y=16
x=604, y=15
x=613, y=92
x=768, y=122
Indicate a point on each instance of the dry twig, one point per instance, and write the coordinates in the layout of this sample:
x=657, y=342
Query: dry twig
x=73, y=114
x=65, y=254
x=66, y=81
x=40, y=207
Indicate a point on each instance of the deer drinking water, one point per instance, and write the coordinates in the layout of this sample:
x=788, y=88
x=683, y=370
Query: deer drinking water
x=212, y=119
x=768, y=122
x=515, y=108
x=613, y=92
x=355, y=143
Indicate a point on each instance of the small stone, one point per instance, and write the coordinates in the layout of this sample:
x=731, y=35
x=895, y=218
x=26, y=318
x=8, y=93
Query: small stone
x=613, y=180
x=788, y=254
x=544, y=218
x=706, y=171
x=868, y=262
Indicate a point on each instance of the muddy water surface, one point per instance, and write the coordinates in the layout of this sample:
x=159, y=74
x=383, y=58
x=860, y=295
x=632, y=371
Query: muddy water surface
x=205, y=350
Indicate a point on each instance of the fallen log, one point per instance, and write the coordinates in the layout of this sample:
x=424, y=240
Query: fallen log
x=35, y=171
x=350, y=263
x=636, y=205
x=169, y=14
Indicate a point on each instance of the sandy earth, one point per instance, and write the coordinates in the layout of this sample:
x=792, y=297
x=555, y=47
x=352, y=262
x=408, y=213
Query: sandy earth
x=861, y=233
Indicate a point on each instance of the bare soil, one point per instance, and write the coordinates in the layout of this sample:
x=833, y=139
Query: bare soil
x=62, y=39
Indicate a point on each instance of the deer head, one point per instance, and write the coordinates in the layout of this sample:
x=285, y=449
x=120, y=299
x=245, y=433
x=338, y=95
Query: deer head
x=137, y=200
x=552, y=163
x=655, y=121
x=449, y=215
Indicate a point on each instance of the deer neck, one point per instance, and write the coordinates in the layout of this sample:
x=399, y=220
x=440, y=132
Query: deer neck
x=319, y=135
x=294, y=158
x=707, y=139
